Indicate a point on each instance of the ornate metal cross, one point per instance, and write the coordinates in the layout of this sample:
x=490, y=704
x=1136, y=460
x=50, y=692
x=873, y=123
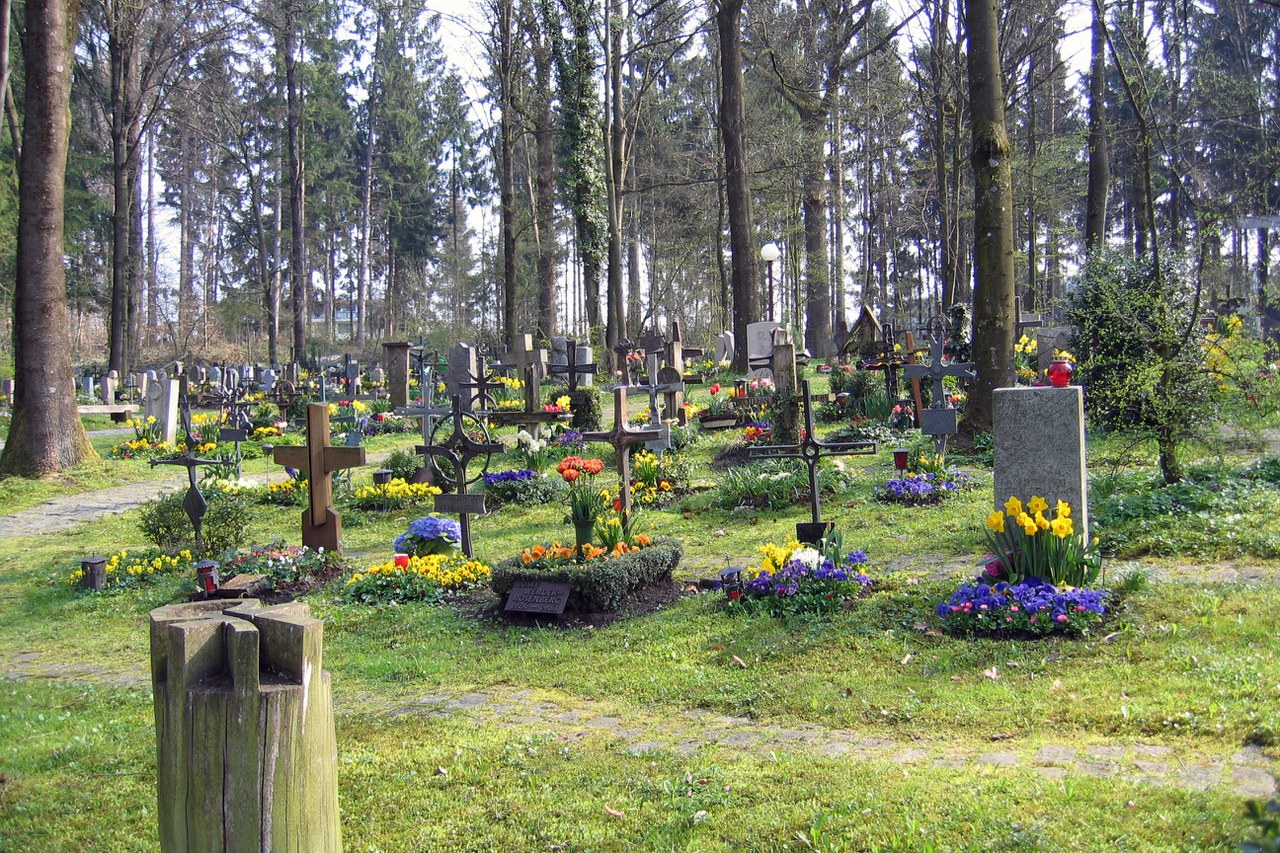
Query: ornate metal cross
x=194, y=502
x=459, y=449
x=811, y=450
x=573, y=370
x=321, y=526
x=654, y=389
x=623, y=438
x=939, y=420
x=483, y=382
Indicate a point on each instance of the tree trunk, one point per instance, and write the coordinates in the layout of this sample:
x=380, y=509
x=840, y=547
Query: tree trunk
x=737, y=177
x=299, y=277
x=45, y=434
x=994, y=317
x=544, y=133
x=505, y=47
x=123, y=56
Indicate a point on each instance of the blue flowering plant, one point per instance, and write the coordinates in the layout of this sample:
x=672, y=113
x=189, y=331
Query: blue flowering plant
x=429, y=535
x=795, y=579
x=927, y=480
x=1032, y=606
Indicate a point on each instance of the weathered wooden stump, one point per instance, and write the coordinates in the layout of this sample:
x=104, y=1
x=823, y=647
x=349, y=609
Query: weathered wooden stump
x=247, y=757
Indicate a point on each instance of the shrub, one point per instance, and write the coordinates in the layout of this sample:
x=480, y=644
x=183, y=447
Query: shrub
x=521, y=486
x=597, y=585
x=225, y=524
x=403, y=464
x=586, y=409
x=1031, y=606
x=419, y=578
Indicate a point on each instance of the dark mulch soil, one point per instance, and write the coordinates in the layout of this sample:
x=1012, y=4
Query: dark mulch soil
x=485, y=607
x=286, y=592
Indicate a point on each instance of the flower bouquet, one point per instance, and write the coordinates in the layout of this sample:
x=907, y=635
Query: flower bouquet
x=585, y=500
x=1025, y=543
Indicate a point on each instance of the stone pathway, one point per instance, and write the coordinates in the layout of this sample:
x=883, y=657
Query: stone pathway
x=1247, y=772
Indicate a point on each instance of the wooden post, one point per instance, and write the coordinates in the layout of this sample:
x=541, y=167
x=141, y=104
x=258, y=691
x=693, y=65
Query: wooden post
x=321, y=526
x=246, y=753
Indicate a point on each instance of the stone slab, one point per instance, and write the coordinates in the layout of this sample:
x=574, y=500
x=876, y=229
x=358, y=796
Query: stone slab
x=1040, y=448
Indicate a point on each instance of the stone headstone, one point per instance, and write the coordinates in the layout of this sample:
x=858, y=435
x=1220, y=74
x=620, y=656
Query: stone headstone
x=269, y=378
x=247, y=757
x=377, y=375
x=559, y=349
x=291, y=373
x=760, y=347
x=161, y=403
x=724, y=347
x=215, y=375
x=152, y=375
x=1040, y=449
x=88, y=386
x=463, y=369
x=230, y=378
x=138, y=381
x=1048, y=339
x=109, y=387
x=177, y=369
x=201, y=374
x=396, y=355
x=585, y=355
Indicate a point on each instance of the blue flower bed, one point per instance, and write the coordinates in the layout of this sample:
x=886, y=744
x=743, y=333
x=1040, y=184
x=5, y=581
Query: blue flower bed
x=923, y=489
x=516, y=476
x=806, y=581
x=1030, y=606
x=429, y=535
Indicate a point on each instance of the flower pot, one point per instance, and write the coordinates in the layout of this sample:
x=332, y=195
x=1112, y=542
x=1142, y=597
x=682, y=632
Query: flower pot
x=582, y=531
x=718, y=421
x=1060, y=373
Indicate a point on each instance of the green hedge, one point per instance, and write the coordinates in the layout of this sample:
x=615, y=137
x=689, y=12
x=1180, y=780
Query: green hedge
x=601, y=585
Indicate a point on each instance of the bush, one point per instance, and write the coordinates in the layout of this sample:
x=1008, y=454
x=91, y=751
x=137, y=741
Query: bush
x=586, y=409
x=597, y=585
x=225, y=524
x=403, y=464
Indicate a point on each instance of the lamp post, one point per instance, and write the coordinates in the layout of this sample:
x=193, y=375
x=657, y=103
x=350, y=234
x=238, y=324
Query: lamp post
x=769, y=253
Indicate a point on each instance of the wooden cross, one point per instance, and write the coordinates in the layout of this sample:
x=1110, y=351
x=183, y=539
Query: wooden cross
x=651, y=342
x=321, y=526
x=524, y=355
x=459, y=449
x=623, y=437
x=811, y=450
x=620, y=351
x=194, y=502
x=672, y=377
x=939, y=420
x=573, y=370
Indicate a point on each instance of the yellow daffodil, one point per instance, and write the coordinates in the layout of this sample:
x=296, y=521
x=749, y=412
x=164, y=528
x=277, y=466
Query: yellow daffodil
x=996, y=521
x=1037, y=504
x=1062, y=527
x=1064, y=509
x=1013, y=507
x=1041, y=521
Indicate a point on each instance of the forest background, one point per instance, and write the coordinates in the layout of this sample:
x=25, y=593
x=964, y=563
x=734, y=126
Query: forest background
x=289, y=180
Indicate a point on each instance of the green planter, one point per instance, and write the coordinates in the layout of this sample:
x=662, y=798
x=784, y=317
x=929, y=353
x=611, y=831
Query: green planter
x=600, y=585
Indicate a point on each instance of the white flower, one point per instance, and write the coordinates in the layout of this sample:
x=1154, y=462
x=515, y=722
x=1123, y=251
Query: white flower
x=523, y=437
x=808, y=556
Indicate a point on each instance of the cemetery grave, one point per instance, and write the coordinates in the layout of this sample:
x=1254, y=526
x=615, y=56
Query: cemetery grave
x=696, y=700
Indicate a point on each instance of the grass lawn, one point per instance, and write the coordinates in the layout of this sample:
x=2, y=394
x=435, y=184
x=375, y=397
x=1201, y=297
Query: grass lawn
x=1185, y=669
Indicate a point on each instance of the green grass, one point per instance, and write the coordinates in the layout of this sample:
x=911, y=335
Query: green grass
x=1187, y=665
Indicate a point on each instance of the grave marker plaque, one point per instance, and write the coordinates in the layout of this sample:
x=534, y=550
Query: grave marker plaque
x=538, y=597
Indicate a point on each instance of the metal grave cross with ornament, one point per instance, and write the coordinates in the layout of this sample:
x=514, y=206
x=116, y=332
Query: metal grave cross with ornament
x=193, y=503
x=655, y=388
x=573, y=371
x=459, y=449
x=939, y=420
x=811, y=450
x=623, y=438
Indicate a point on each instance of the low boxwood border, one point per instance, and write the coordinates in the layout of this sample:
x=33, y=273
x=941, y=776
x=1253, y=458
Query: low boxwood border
x=600, y=585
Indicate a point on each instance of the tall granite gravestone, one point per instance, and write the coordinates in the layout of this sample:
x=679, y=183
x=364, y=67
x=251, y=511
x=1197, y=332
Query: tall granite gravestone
x=464, y=366
x=246, y=757
x=161, y=403
x=1039, y=448
x=109, y=387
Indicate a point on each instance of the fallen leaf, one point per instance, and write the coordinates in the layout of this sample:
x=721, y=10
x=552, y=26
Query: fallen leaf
x=717, y=647
x=614, y=812
x=1051, y=658
x=1013, y=664
x=1057, y=684
x=440, y=771
x=920, y=626
x=719, y=533
x=993, y=673
x=1003, y=736
x=906, y=660
x=739, y=661
x=932, y=633
x=1110, y=637
x=1131, y=805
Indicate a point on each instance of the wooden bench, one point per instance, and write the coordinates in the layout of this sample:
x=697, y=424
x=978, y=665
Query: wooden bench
x=119, y=414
